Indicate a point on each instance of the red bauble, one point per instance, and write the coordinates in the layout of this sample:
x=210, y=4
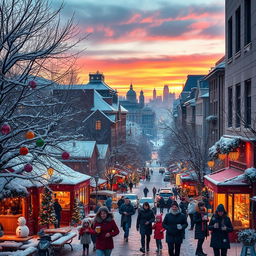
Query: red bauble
x=28, y=168
x=10, y=169
x=5, y=129
x=32, y=84
x=24, y=151
x=65, y=155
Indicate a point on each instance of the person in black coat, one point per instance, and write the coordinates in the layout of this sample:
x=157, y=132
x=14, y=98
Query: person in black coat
x=126, y=210
x=175, y=224
x=220, y=225
x=183, y=205
x=161, y=204
x=57, y=209
x=145, y=191
x=169, y=204
x=120, y=202
x=201, y=227
x=144, y=224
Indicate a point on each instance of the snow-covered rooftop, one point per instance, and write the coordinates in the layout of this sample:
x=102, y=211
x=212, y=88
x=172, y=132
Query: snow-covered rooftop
x=103, y=149
x=100, y=182
x=101, y=104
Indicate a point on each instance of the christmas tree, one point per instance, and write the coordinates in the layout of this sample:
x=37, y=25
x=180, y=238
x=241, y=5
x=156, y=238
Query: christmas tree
x=47, y=213
x=76, y=215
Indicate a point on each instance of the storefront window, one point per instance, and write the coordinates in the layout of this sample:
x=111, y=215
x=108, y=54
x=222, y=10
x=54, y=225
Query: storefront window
x=230, y=206
x=82, y=195
x=221, y=199
x=241, y=211
x=11, y=206
x=64, y=199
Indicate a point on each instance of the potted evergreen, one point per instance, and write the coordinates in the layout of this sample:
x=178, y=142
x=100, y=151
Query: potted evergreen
x=247, y=237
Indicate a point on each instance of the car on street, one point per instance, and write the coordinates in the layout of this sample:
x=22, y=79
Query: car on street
x=167, y=177
x=161, y=170
x=165, y=194
x=133, y=198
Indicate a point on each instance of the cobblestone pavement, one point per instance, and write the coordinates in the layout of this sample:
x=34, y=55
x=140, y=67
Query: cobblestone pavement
x=132, y=247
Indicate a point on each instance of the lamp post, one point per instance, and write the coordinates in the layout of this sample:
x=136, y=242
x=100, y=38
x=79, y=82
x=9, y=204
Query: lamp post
x=113, y=172
x=96, y=178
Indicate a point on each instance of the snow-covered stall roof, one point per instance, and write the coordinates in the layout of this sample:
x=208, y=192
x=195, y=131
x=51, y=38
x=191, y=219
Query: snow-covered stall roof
x=17, y=183
x=103, y=149
x=100, y=182
x=76, y=148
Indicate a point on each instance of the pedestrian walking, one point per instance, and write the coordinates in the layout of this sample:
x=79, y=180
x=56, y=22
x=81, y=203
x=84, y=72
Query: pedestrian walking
x=85, y=235
x=220, y=225
x=184, y=206
x=145, y=191
x=108, y=203
x=161, y=204
x=57, y=209
x=105, y=229
x=130, y=186
x=126, y=210
x=169, y=204
x=154, y=192
x=144, y=224
x=201, y=227
x=191, y=212
x=175, y=224
x=120, y=202
x=158, y=232
x=175, y=192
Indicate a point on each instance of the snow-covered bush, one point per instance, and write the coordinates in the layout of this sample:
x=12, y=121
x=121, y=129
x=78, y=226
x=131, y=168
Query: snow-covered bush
x=250, y=174
x=247, y=236
x=223, y=146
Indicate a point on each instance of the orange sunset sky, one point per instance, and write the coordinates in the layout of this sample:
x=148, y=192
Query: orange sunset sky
x=149, y=43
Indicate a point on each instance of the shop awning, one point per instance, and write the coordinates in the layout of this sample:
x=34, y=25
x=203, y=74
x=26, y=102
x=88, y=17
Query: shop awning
x=228, y=180
x=100, y=182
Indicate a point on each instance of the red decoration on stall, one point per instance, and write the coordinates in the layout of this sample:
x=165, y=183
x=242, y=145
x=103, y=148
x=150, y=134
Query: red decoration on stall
x=24, y=151
x=30, y=135
x=28, y=168
x=32, y=84
x=65, y=155
x=5, y=129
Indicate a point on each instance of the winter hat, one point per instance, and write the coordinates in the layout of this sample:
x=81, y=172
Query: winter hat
x=86, y=220
x=220, y=208
x=175, y=203
x=103, y=208
x=201, y=204
x=159, y=216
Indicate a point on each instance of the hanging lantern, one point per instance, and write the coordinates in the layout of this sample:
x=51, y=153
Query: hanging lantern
x=40, y=142
x=32, y=84
x=233, y=155
x=5, y=129
x=222, y=156
x=50, y=171
x=24, y=151
x=28, y=168
x=30, y=135
x=211, y=163
x=65, y=155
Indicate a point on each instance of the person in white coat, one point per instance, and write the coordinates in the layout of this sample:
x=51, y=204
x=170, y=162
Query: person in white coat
x=191, y=211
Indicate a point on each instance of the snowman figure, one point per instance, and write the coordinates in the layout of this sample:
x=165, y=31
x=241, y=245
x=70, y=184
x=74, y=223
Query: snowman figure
x=22, y=230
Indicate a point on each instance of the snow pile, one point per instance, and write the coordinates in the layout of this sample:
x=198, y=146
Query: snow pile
x=250, y=174
x=211, y=118
x=247, y=236
x=223, y=146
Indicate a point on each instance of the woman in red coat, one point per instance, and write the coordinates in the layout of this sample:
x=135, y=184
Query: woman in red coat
x=105, y=229
x=159, y=232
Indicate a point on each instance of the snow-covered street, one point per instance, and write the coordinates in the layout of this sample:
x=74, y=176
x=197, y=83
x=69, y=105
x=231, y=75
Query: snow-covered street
x=132, y=247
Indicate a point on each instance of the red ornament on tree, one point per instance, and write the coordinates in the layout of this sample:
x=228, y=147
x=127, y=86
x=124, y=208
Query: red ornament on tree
x=65, y=155
x=32, y=84
x=5, y=129
x=10, y=169
x=24, y=151
x=28, y=168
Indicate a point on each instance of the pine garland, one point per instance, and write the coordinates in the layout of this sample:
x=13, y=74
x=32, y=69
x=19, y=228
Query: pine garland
x=47, y=213
x=76, y=214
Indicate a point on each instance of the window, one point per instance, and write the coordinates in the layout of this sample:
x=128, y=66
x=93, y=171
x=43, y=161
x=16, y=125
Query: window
x=241, y=211
x=247, y=22
x=230, y=43
x=63, y=198
x=98, y=125
x=238, y=105
x=230, y=106
x=238, y=29
x=248, y=104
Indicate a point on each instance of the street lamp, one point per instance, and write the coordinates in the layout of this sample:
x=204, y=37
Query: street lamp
x=96, y=178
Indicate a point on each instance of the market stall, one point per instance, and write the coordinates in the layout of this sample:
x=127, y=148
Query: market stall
x=230, y=188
